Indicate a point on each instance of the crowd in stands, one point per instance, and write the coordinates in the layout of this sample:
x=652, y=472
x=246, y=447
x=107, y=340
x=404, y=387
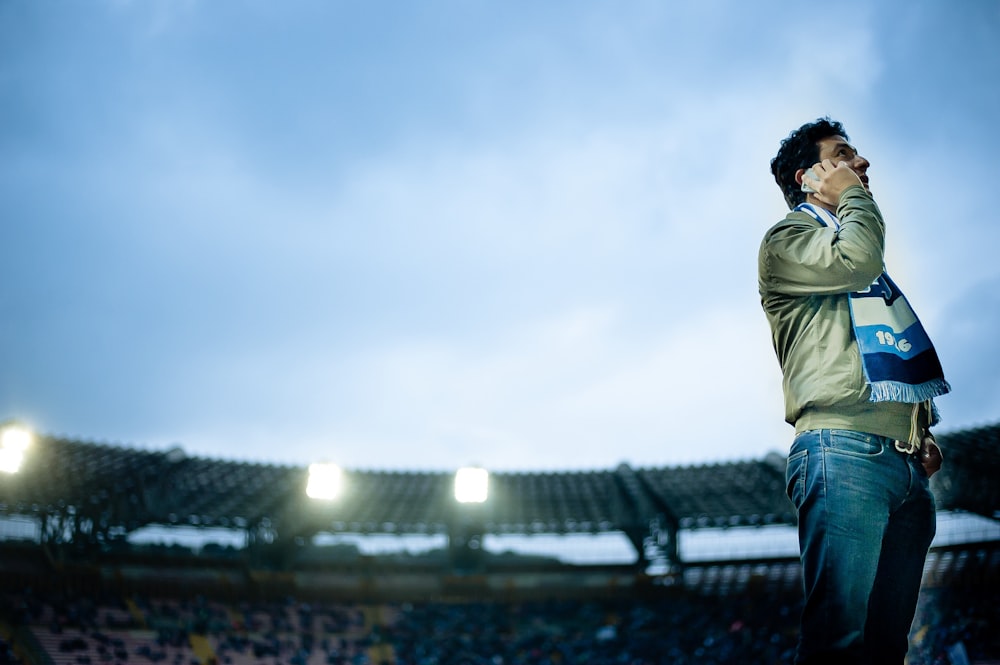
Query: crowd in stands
x=950, y=617
x=7, y=653
x=679, y=627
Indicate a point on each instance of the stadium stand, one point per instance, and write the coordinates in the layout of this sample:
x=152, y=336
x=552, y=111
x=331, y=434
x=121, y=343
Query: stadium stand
x=679, y=625
x=78, y=591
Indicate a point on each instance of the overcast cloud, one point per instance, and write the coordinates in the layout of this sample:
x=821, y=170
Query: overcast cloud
x=420, y=235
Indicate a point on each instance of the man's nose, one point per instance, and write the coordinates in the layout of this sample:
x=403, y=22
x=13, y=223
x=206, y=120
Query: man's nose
x=860, y=163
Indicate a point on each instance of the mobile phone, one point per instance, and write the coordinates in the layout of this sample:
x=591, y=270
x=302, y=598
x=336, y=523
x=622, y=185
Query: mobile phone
x=808, y=175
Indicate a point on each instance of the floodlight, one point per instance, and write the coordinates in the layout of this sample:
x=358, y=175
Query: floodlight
x=14, y=441
x=10, y=460
x=325, y=481
x=471, y=485
x=15, y=437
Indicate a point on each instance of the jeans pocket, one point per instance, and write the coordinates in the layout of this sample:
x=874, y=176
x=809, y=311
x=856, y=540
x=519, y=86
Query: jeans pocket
x=854, y=443
x=795, y=476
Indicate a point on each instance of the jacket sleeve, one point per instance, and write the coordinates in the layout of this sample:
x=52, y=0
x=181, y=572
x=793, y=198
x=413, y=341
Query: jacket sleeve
x=800, y=256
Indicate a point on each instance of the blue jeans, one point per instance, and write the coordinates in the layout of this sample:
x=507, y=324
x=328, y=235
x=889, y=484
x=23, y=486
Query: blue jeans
x=866, y=520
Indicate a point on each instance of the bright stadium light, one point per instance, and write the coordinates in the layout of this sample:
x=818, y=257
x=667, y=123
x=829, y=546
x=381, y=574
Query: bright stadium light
x=14, y=441
x=325, y=481
x=10, y=460
x=471, y=485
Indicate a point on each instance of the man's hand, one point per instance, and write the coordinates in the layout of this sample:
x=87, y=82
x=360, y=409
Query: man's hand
x=930, y=456
x=831, y=181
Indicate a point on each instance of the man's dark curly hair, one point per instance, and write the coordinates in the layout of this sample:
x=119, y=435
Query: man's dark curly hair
x=799, y=151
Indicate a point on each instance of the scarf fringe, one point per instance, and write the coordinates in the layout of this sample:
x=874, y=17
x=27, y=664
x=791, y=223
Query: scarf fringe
x=896, y=391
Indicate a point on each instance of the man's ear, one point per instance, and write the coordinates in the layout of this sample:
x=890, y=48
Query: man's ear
x=798, y=176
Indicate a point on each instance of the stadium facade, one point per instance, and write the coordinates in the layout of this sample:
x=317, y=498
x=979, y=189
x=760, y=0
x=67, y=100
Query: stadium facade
x=71, y=512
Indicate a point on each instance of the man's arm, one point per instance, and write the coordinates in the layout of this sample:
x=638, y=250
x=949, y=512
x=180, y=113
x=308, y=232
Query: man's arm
x=800, y=257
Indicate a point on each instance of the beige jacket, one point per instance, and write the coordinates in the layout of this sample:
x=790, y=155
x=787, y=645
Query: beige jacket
x=805, y=273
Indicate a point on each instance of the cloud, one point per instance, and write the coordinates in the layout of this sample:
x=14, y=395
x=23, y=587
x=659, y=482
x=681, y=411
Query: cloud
x=966, y=342
x=569, y=391
x=463, y=234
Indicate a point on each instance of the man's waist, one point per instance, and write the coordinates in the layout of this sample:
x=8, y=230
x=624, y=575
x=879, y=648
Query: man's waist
x=886, y=442
x=891, y=420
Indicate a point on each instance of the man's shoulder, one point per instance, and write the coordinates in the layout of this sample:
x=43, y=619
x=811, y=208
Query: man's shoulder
x=794, y=221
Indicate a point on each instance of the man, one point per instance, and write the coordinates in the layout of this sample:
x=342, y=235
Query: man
x=859, y=377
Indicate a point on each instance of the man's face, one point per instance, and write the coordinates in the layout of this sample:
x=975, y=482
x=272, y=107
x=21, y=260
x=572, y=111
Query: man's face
x=837, y=149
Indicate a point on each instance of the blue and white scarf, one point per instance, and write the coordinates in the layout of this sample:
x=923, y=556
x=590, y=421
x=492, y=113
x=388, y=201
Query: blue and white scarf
x=899, y=361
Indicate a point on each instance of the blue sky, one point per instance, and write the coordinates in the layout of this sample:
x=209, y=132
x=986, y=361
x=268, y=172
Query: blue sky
x=421, y=235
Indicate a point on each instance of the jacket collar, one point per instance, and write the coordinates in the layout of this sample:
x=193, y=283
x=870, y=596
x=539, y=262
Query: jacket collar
x=821, y=215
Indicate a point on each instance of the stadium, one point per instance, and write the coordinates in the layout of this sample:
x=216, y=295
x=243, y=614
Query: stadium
x=113, y=554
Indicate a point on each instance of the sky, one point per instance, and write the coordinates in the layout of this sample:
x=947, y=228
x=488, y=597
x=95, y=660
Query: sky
x=415, y=236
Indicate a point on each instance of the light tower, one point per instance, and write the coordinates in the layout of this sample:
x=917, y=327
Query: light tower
x=465, y=532
x=15, y=439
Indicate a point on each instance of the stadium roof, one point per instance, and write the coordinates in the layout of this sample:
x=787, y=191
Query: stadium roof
x=102, y=491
